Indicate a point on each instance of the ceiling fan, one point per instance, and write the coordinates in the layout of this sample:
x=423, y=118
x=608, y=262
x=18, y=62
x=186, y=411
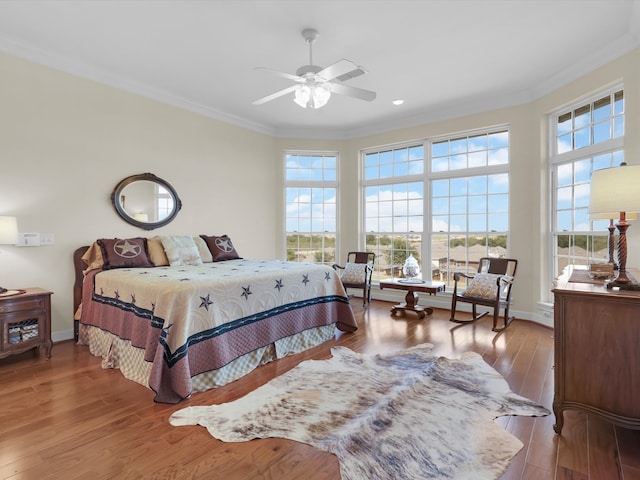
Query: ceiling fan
x=314, y=84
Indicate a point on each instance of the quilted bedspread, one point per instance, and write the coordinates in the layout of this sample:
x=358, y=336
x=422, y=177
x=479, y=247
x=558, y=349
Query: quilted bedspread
x=192, y=319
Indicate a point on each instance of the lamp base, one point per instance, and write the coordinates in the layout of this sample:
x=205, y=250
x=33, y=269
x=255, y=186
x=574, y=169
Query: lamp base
x=628, y=283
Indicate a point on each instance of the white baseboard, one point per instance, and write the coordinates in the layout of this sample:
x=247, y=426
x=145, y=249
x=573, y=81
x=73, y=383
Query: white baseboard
x=443, y=301
x=62, y=336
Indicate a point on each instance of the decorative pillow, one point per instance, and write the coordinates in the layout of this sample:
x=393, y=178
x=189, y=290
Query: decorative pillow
x=203, y=249
x=93, y=257
x=483, y=285
x=156, y=252
x=353, y=273
x=221, y=248
x=181, y=250
x=127, y=252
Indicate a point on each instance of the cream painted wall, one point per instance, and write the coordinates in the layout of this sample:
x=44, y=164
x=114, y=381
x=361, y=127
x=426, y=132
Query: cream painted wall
x=66, y=142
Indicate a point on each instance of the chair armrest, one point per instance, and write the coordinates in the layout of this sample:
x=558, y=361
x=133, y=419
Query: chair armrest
x=505, y=283
x=506, y=279
x=457, y=275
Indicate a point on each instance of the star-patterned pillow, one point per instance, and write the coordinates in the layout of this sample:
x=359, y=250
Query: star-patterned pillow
x=221, y=248
x=124, y=253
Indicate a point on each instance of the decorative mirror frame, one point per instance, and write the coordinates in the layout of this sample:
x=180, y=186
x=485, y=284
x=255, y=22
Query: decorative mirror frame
x=117, y=194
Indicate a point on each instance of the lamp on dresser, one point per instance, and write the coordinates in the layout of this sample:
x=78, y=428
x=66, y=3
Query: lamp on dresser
x=612, y=228
x=615, y=194
x=8, y=234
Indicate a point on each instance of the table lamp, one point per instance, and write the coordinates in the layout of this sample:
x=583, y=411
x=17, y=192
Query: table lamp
x=614, y=194
x=8, y=234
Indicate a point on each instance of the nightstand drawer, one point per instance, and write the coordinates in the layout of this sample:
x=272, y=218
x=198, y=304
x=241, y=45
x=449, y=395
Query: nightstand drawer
x=21, y=304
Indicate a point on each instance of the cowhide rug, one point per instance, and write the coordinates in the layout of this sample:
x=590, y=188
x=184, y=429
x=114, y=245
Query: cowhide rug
x=406, y=415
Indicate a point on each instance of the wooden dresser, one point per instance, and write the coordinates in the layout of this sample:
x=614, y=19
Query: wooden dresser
x=597, y=351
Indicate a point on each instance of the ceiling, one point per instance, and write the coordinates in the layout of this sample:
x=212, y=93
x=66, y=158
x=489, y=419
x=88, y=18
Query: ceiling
x=445, y=58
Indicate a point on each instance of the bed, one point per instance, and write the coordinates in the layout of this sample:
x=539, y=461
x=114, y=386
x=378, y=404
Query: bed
x=179, y=328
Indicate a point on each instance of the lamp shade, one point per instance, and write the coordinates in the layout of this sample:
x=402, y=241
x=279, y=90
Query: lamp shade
x=615, y=190
x=8, y=230
x=612, y=215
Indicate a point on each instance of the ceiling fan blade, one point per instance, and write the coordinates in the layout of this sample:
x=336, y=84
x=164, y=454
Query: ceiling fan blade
x=295, y=78
x=339, y=68
x=360, y=93
x=273, y=96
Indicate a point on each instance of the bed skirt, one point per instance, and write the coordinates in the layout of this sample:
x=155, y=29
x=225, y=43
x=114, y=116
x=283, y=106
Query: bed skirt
x=118, y=353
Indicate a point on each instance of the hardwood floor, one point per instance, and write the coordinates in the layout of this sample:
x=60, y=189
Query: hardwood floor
x=67, y=418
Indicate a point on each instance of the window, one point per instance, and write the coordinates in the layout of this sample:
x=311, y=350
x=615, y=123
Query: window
x=469, y=201
x=394, y=206
x=311, y=184
x=465, y=196
x=585, y=137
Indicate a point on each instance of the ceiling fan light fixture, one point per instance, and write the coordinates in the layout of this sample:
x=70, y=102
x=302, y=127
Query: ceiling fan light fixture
x=312, y=96
x=320, y=95
x=302, y=95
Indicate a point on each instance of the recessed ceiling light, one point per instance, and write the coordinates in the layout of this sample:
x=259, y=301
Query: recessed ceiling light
x=398, y=102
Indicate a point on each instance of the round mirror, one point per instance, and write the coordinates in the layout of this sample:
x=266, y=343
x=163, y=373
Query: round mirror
x=146, y=201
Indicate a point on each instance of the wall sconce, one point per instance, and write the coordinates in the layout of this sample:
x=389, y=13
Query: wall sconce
x=614, y=194
x=8, y=234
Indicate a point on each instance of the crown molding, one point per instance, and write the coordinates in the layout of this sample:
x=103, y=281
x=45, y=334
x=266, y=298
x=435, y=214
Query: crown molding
x=463, y=107
x=83, y=70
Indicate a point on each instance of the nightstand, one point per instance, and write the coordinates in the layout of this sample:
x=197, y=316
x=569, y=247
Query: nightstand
x=25, y=322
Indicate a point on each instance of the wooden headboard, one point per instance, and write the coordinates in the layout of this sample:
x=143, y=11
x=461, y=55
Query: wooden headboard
x=78, y=267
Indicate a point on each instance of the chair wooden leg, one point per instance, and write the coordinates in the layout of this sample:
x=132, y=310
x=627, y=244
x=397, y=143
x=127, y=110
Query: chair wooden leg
x=496, y=312
x=507, y=321
x=474, y=313
x=453, y=310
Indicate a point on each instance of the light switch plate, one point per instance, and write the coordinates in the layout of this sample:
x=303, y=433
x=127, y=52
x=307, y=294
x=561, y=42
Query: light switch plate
x=28, y=240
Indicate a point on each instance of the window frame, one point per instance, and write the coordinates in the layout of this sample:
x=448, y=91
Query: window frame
x=426, y=177
x=445, y=272
x=397, y=255
x=612, y=147
x=312, y=184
